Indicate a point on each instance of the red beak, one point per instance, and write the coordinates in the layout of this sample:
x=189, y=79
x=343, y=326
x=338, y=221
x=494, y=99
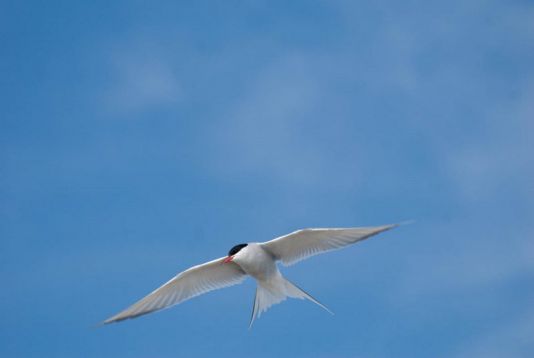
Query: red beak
x=228, y=259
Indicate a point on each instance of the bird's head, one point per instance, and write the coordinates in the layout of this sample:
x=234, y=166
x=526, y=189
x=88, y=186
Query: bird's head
x=233, y=251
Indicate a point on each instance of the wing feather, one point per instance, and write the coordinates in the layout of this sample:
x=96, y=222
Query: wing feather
x=305, y=243
x=190, y=283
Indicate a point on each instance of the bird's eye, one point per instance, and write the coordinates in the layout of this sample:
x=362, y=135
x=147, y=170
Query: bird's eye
x=234, y=250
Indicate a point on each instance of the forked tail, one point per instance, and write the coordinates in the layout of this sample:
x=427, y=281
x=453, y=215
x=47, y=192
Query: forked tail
x=274, y=291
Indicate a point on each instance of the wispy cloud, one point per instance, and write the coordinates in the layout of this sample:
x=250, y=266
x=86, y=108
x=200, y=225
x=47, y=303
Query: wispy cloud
x=512, y=339
x=477, y=265
x=497, y=159
x=270, y=131
x=140, y=81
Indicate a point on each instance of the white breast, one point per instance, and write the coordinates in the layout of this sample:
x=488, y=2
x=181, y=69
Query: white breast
x=256, y=262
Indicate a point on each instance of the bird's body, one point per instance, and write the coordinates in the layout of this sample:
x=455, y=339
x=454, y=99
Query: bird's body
x=257, y=260
x=272, y=287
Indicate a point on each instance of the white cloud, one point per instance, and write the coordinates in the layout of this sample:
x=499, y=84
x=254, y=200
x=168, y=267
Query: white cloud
x=465, y=257
x=265, y=135
x=512, y=340
x=499, y=156
x=141, y=81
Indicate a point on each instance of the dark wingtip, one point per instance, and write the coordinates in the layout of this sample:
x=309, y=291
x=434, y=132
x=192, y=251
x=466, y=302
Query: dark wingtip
x=402, y=223
x=100, y=324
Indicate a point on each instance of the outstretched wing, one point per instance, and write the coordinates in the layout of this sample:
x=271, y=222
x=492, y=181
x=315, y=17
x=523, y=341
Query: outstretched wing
x=188, y=284
x=302, y=244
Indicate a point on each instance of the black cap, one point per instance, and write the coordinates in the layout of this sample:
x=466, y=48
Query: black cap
x=234, y=250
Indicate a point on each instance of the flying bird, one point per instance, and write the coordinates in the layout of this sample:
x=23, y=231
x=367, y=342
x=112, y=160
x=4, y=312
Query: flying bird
x=257, y=260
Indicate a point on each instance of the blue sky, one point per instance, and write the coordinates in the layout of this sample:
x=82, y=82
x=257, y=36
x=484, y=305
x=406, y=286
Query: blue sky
x=140, y=138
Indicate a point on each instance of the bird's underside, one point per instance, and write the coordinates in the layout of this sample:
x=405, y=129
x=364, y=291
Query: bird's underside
x=257, y=260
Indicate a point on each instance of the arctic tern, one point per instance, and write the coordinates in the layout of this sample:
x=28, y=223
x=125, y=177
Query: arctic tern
x=253, y=259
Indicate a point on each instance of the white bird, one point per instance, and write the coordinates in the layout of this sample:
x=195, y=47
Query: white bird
x=253, y=259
